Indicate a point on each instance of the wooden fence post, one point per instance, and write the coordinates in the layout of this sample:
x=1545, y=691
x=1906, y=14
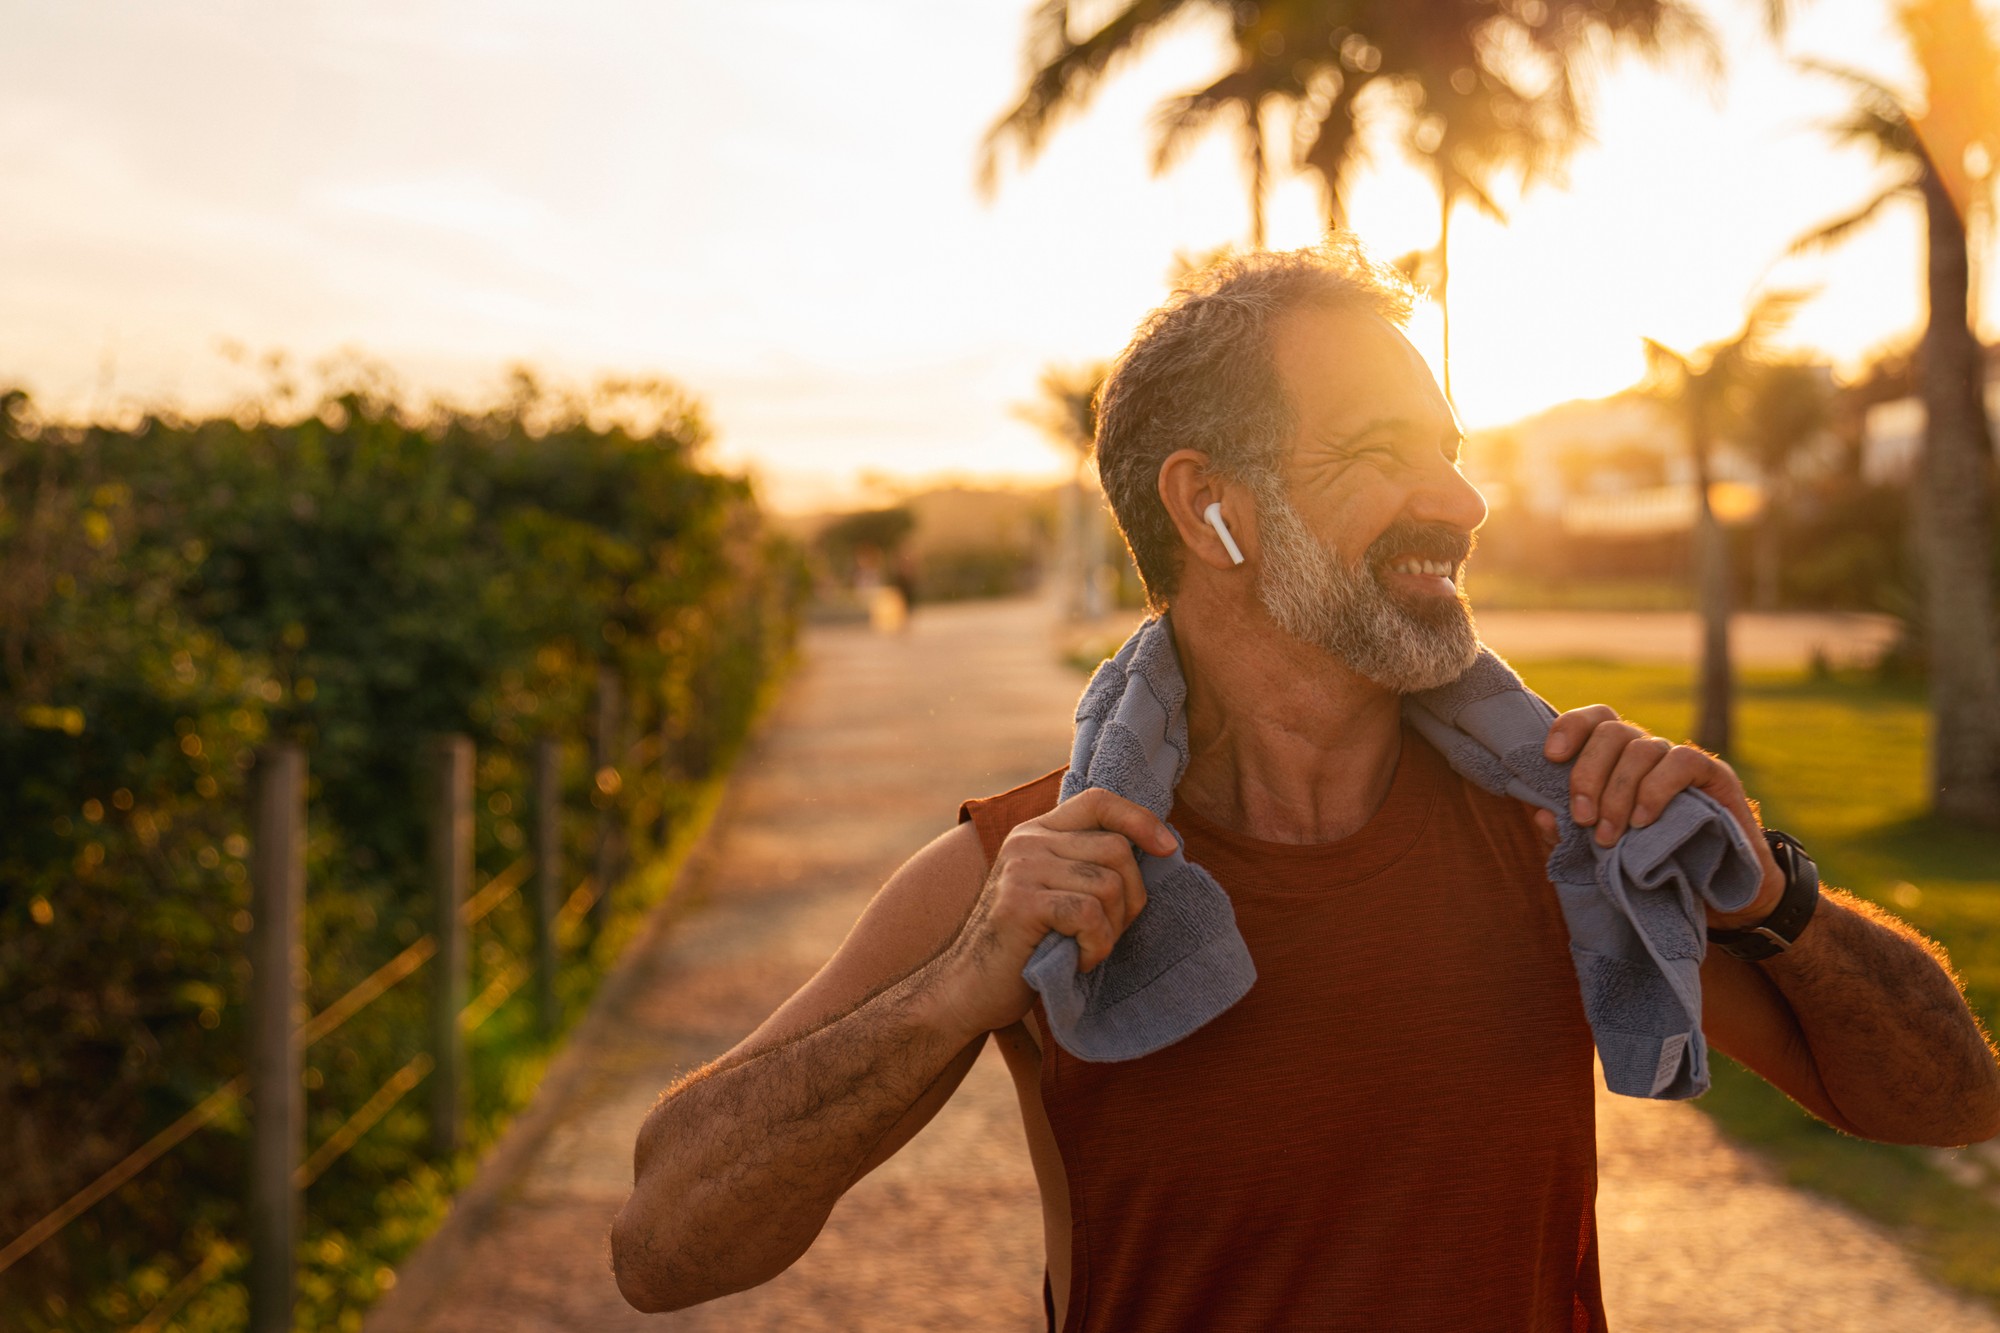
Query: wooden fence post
x=451, y=879
x=277, y=1073
x=663, y=824
x=548, y=877
x=606, y=752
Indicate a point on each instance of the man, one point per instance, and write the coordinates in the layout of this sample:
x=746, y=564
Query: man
x=1393, y=1128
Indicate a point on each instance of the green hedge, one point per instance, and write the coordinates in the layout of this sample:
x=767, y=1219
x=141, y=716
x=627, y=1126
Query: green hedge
x=177, y=592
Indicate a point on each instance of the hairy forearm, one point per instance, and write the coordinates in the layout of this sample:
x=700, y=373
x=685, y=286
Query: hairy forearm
x=739, y=1165
x=1896, y=1048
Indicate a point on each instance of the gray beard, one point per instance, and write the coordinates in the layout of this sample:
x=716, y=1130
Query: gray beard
x=1401, y=645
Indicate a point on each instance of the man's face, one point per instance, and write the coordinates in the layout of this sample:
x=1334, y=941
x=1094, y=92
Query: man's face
x=1366, y=544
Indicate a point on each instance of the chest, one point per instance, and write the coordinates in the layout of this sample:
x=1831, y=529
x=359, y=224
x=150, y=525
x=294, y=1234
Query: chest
x=1411, y=1008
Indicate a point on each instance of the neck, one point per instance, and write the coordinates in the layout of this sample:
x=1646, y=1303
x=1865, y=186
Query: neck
x=1286, y=743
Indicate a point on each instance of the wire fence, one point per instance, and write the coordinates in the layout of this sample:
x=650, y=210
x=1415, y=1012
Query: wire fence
x=272, y=1085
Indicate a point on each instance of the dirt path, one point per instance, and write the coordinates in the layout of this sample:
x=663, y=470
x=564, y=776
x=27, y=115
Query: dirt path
x=873, y=748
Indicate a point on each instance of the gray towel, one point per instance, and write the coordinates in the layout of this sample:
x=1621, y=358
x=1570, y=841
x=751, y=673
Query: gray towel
x=1634, y=910
x=1181, y=961
x=1637, y=928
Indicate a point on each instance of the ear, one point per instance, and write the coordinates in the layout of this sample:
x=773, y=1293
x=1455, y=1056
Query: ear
x=1187, y=489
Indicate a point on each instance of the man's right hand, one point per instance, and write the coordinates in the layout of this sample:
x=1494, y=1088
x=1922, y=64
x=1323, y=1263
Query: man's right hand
x=1072, y=871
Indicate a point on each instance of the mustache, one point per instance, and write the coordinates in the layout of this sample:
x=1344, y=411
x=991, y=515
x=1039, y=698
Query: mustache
x=1425, y=541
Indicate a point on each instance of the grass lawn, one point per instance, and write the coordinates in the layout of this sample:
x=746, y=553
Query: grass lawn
x=1496, y=590
x=1840, y=764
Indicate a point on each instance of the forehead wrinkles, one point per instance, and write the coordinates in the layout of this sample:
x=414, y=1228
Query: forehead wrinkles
x=1340, y=368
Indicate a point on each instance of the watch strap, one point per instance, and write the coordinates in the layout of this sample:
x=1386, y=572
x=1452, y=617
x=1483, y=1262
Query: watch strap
x=1780, y=930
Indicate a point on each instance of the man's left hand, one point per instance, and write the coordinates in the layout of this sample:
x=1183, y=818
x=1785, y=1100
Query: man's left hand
x=1623, y=778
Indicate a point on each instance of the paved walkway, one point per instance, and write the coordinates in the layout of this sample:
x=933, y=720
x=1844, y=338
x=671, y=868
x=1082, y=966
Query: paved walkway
x=875, y=744
x=1789, y=639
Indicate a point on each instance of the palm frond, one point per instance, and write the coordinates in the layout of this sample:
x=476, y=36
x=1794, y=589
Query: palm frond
x=1066, y=73
x=1838, y=230
x=1768, y=313
x=1665, y=29
x=1178, y=121
x=1778, y=17
x=1865, y=85
x=1667, y=371
x=1470, y=188
x=1878, y=120
x=1334, y=148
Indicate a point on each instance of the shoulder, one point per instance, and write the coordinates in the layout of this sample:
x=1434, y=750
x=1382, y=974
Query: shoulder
x=992, y=818
x=1504, y=826
x=920, y=909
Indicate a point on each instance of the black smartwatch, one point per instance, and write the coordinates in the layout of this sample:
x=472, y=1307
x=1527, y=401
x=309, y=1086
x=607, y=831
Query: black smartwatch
x=1780, y=930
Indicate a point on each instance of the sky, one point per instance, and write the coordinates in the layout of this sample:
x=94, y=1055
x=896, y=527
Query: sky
x=773, y=202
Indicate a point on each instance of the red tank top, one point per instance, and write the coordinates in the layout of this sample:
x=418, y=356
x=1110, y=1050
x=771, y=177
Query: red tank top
x=1393, y=1130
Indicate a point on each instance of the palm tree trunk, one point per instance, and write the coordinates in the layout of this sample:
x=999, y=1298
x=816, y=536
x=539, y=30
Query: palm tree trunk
x=1956, y=534
x=1714, y=687
x=1255, y=131
x=1441, y=291
x=1769, y=545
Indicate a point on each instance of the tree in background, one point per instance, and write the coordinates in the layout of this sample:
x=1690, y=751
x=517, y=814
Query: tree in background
x=1944, y=155
x=1066, y=412
x=1701, y=389
x=1787, y=407
x=1479, y=88
x=876, y=535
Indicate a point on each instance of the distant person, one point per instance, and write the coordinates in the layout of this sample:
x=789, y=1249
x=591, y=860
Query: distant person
x=903, y=578
x=1392, y=1129
x=888, y=613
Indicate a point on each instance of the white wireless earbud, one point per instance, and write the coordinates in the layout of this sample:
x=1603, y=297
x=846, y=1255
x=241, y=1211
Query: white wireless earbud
x=1214, y=516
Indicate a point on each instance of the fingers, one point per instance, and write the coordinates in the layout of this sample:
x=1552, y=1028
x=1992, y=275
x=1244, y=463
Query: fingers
x=1681, y=768
x=1595, y=763
x=1096, y=808
x=1641, y=757
x=1117, y=889
x=1102, y=865
x=1689, y=767
x=1082, y=917
x=1624, y=778
x=1047, y=874
x=1569, y=731
x=1545, y=824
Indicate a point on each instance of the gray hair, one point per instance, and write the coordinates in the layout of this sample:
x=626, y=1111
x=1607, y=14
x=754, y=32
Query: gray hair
x=1199, y=374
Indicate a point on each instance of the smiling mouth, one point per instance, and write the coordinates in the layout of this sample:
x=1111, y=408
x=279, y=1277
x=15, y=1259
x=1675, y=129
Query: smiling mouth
x=1443, y=569
x=1420, y=578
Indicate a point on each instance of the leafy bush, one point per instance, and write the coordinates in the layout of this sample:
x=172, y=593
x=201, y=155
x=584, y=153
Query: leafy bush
x=354, y=579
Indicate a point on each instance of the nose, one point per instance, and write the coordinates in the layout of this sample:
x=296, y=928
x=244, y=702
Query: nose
x=1447, y=497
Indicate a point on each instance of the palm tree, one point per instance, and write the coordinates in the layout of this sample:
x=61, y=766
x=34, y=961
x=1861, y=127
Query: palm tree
x=1243, y=95
x=1700, y=390
x=1786, y=406
x=1481, y=88
x=1944, y=156
x=1067, y=73
x=1467, y=128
